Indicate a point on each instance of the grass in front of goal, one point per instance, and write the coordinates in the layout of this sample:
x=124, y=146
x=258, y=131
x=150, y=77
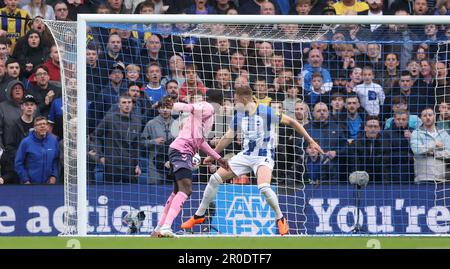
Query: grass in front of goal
x=225, y=243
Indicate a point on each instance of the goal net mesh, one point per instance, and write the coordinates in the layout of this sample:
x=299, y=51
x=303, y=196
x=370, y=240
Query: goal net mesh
x=359, y=95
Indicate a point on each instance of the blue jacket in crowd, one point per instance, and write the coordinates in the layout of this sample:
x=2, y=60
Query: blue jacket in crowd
x=307, y=74
x=37, y=159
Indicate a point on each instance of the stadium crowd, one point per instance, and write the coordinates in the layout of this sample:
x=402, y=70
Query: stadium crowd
x=374, y=98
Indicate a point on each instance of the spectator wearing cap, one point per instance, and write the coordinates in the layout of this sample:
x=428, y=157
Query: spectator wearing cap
x=117, y=84
x=108, y=95
x=344, y=6
x=19, y=129
x=43, y=91
x=38, y=155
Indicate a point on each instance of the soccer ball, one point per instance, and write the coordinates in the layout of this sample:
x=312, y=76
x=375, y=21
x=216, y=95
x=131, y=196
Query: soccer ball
x=134, y=221
x=196, y=161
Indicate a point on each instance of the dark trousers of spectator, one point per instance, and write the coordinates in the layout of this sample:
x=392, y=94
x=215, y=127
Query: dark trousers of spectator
x=399, y=173
x=114, y=174
x=9, y=174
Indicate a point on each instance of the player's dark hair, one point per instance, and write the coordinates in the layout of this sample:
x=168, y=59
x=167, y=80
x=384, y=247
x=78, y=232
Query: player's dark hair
x=214, y=96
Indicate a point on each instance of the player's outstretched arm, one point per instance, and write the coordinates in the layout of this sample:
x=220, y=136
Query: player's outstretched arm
x=226, y=139
x=182, y=107
x=301, y=130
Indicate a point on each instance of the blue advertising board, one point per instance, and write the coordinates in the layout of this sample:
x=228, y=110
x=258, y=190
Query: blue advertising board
x=409, y=209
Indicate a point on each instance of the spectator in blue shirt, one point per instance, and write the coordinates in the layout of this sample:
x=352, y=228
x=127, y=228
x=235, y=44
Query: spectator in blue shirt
x=38, y=154
x=154, y=89
x=355, y=118
x=315, y=61
x=55, y=117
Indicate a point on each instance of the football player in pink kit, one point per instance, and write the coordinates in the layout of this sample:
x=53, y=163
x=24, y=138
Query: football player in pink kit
x=190, y=139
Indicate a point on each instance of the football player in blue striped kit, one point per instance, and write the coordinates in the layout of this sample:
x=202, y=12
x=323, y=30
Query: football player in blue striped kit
x=254, y=122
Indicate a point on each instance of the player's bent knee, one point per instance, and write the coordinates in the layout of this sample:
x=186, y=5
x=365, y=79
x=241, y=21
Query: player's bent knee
x=187, y=191
x=216, y=179
x=264, y=187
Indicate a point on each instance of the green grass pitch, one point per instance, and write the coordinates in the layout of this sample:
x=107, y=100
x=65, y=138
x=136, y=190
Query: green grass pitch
x=402, y=242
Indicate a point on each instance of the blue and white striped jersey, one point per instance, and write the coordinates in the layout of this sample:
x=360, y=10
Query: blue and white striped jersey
x=257, y=130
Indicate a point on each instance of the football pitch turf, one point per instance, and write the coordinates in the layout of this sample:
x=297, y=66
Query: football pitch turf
x=327, y=242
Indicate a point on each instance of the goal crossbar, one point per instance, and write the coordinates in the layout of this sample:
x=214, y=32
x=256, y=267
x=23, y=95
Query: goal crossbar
x=266, y=19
